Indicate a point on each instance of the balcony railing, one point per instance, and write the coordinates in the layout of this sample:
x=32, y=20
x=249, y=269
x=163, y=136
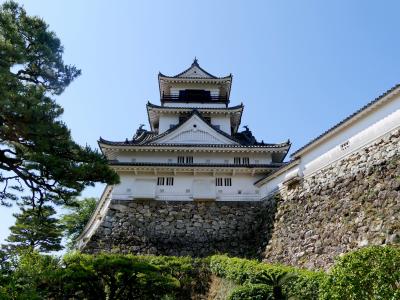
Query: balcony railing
x=194, y=99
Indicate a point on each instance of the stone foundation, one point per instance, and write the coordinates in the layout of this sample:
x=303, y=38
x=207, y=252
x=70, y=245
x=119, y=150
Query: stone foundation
x=184, y=228
x=352, y=203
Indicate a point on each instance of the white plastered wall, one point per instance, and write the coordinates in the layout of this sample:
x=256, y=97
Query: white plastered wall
x=366, y=129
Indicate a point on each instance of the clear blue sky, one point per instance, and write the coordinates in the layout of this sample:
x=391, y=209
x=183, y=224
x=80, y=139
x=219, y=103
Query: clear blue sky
x=299, y=66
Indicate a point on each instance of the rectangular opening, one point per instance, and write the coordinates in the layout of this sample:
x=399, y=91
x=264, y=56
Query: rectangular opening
x=245, y=160
x=160, y=181
x=194, y=95
x=170, y=180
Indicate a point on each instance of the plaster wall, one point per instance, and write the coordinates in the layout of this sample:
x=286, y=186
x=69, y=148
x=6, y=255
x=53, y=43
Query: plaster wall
x=198, y=157
x=363, y=131
x=144, y=186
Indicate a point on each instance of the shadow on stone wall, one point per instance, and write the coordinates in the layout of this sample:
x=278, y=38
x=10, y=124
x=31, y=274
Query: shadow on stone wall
x=185, y=228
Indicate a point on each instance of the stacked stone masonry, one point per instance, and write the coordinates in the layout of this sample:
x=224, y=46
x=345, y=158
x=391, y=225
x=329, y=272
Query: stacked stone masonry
x=350, y=204
x=184, y=228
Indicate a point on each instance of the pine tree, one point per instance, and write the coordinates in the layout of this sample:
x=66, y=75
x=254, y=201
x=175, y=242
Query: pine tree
x=76, y=220
x=38, y=158
x=36, y=229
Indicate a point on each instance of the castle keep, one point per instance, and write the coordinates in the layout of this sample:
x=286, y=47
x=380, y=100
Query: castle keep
x=194, y=184
x=187, y=184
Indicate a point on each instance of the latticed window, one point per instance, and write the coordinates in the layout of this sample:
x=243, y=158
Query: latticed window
x=245, y=160
x=160, y=181
x=228, y=181
x=170, y=180
x=181, y=159
x=189, y=159
x=218, y=181
x=236, y=160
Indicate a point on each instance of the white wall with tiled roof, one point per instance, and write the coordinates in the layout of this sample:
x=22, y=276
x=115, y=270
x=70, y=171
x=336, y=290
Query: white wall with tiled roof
x=366, y=127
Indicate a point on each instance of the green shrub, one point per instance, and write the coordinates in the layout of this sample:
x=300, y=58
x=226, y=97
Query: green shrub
x=251, y=292
x=193, y=273
x=369, y=273
x=115, y=276
x=305, y=285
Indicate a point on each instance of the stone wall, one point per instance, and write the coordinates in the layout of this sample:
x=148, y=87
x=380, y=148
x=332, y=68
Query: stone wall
x=184, y=228
x=352, y=203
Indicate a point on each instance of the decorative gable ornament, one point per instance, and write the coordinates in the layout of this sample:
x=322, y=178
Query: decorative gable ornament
x=195, y=131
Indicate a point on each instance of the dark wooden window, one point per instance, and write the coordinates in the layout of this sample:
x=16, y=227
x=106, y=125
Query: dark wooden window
x=194, y=95
x=170, y=180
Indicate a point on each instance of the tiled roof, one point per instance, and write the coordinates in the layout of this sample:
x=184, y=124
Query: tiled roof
x=131, y=143
x=346, y=119
x=197, y=108
x=243, y=139
x=195, y=64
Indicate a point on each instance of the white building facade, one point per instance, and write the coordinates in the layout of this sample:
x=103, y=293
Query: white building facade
x=194, y=149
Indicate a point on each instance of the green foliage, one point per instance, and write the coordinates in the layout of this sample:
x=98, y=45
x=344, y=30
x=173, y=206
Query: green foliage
x=36, y=229
x=193, y=273
x=252, y=292
x=303, y=283
x=38, y=155
x=112, y=276
x=30, y=275
x=75, y=221
x=369, y=273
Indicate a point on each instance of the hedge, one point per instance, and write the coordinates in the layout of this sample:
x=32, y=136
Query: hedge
x=305, y=284
x=251, y=292
x=103, y=276
x=369, y=273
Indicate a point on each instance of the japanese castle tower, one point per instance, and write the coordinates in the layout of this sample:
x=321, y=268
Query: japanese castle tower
x=194, y=149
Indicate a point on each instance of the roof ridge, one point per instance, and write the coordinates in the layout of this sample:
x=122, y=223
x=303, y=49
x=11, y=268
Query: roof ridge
x=149, y=104
x=337, y=125
x=194, y=64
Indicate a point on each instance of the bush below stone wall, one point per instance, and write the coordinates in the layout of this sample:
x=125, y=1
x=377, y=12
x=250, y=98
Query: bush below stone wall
x=352, y=203
x=184, y=228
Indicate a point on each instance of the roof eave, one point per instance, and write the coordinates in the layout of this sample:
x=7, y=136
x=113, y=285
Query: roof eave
x=389, y=94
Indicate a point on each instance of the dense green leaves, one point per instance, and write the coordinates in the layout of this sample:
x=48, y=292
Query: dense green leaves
x=37, y=154
x=78, y=216
x=369, y=273
x=104, y=276
x=36, y=229
x=289, y=281
x=252, y=292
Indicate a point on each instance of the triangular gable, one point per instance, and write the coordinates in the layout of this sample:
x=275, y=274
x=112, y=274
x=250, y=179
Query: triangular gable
x=194, y=72
x=195, y=131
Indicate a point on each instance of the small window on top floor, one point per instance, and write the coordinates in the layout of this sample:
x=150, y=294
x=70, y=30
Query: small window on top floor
x=245, y=160
x=218, y=181
x=160, y=181
x=194, y=95
x=236, y=160
x=181, y=159
x=189, y=159
x=228, y=181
